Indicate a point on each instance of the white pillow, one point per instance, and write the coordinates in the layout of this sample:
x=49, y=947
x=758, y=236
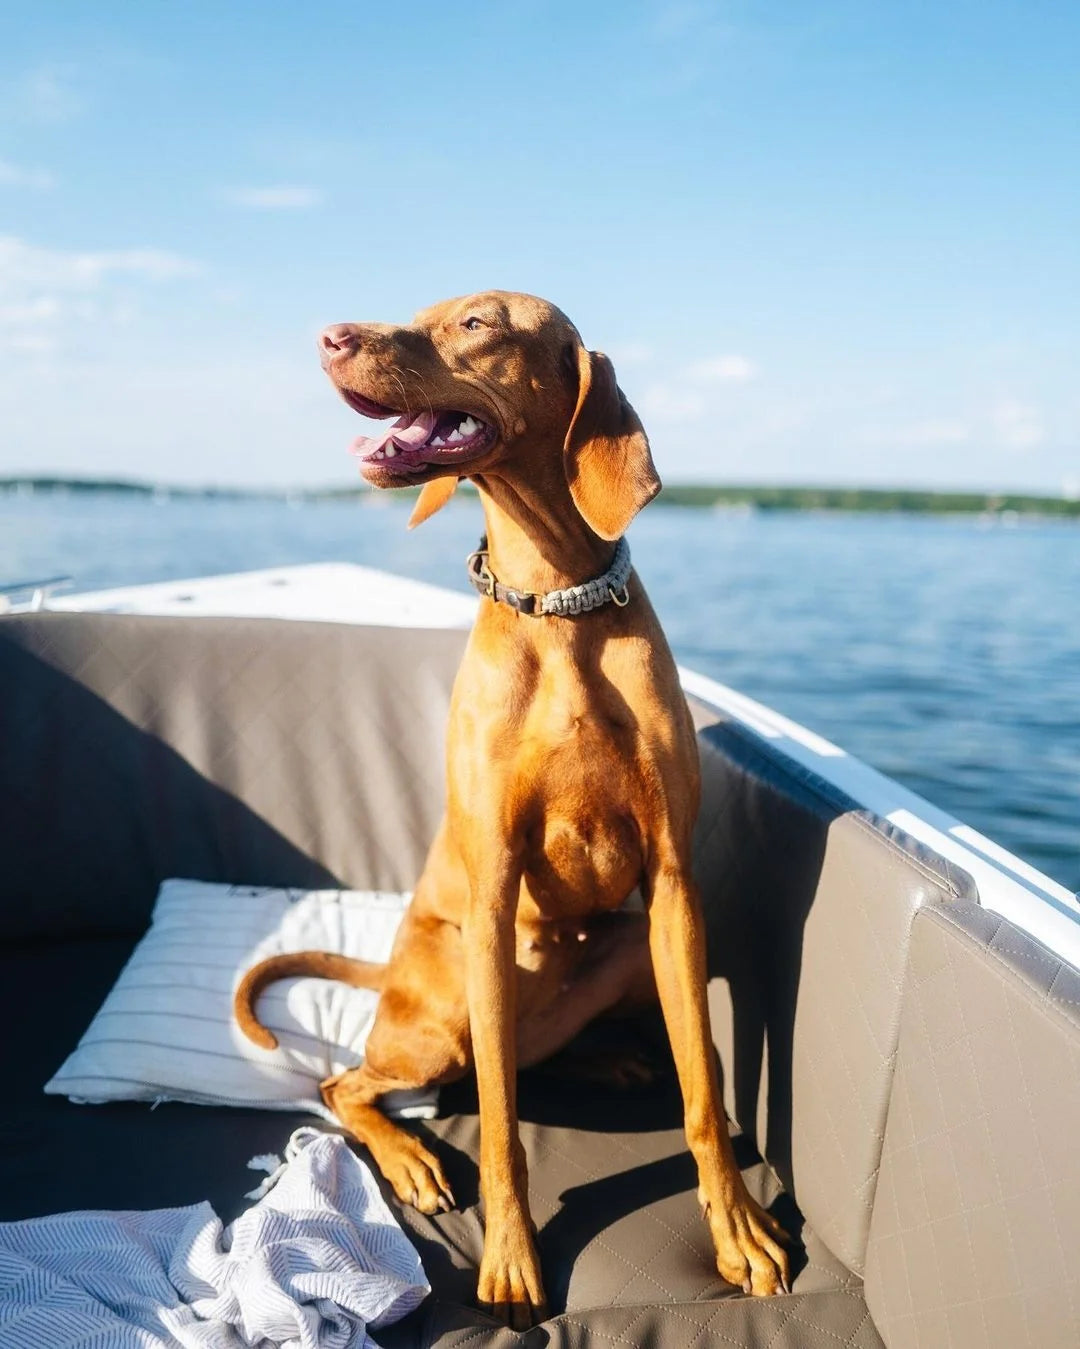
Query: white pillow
x=166, y=1030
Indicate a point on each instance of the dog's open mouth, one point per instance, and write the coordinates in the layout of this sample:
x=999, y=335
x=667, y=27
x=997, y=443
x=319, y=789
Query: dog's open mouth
x=418, y=440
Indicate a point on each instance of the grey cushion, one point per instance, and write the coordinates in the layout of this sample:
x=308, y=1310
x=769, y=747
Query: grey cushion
x=245, y=750
x=261, y=751
x=837, y=1320
x=56, y=1156
x=612, y=1191
x=809, y=902
x=612, y=1185
x=976, y=1224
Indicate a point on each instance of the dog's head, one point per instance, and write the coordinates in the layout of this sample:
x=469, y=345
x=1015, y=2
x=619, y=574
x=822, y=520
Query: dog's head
x=496, y=383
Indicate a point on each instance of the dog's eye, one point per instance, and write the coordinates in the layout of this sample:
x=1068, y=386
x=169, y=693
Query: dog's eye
x=473, y=323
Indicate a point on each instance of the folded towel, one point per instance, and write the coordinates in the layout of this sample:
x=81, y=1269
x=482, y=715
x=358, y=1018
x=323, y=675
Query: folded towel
x=312, y=1265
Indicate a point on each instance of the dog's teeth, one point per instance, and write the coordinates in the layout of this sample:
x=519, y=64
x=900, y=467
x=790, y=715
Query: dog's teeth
x=454, y=437
x=468, y=426
x=437, y=442
x=378, y=455
x=391, y=449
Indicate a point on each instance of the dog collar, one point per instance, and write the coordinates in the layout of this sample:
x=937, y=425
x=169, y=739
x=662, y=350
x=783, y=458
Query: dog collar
x=611, y=588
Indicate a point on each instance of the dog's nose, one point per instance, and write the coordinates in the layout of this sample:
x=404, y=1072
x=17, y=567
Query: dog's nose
x=338, y=337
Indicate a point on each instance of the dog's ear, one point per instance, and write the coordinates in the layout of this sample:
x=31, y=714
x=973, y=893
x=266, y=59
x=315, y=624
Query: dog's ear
x=606, y=453
x=433, y=497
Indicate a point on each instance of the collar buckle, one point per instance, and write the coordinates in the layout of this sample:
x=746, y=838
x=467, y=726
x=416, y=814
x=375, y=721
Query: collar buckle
x=479, y=574
x=521, y=600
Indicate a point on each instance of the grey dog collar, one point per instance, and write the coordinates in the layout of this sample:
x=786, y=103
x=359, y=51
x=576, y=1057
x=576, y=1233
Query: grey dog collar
x=607, y=589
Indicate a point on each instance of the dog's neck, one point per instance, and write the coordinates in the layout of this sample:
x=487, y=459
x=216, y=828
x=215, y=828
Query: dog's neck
x=537, y=541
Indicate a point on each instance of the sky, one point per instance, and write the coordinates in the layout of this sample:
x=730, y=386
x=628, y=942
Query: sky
x=822, y=242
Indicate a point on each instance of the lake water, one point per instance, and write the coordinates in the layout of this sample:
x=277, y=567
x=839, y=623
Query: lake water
x=944, y=652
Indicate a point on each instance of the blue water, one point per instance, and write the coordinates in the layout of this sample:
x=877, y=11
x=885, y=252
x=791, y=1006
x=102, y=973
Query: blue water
x=945, y=653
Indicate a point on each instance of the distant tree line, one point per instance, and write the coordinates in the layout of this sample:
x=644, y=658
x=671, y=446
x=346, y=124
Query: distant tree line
x=701, y=495
x=904, y=500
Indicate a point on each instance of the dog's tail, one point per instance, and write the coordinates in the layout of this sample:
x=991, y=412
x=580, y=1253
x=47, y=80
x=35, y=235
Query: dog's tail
x=313, y=964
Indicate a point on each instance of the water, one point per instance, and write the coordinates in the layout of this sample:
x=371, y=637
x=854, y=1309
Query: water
x=945, y=653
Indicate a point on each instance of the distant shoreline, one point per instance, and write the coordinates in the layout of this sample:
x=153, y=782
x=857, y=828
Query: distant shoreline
x=904, y=501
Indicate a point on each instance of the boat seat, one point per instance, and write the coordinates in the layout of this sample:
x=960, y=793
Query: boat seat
x=257, y=751
x=613, y=1194
x=619, y=1223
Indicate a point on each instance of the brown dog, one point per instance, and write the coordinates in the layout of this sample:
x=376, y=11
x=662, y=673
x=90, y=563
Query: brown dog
x=573, y=777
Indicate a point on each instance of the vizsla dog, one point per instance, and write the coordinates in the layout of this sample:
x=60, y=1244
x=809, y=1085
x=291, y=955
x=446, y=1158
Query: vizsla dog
x=572, y=775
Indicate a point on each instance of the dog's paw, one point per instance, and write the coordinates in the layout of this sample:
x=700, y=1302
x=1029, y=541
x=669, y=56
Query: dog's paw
x=510, y=1287
x=628, y=1069
x=417, y=1178
x=749, y=1246
x=621, y=1069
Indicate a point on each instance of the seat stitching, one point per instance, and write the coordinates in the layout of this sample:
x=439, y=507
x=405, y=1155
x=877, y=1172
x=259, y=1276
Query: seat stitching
x=1043, y=1002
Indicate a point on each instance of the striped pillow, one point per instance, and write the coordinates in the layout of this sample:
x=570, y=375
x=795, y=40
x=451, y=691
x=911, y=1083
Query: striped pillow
x=166, y=1030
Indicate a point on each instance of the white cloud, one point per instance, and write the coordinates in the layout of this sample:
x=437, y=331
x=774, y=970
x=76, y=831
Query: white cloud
x=35, y=344
x=47, y=93
x=1018, y=426
x=281, y=198
x=917, y=435
x=629, y=353
x=42, y=309
x=671, y=401
x=730, y=369
x=14, y=175
x=40, y=288
x=25, y=266
x=684, y=395
x=938, y=431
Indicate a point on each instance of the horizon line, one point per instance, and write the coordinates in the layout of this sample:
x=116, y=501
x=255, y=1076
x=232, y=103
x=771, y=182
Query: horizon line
x=677, y=493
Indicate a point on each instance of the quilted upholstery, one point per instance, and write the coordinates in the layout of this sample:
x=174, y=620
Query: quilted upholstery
x=298, y=753
x=809, y=903
x=976, y=1224
x=612, y=1190
x=137, y=748
x=624, y=1249
x=55, y=1156
x=812, y=1321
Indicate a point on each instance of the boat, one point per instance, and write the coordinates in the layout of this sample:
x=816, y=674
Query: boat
x=895, y=999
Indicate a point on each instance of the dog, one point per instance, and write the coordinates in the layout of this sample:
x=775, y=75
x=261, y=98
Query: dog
x=572, y=776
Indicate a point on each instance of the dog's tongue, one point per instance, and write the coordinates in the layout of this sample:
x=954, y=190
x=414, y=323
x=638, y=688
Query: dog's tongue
x=411, y=434
x=407, y=433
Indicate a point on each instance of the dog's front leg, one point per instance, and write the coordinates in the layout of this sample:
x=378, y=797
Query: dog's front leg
x=510, y=1284
x=748, y=1240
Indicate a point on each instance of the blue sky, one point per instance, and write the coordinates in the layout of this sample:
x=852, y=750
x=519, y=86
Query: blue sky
x=823, y=242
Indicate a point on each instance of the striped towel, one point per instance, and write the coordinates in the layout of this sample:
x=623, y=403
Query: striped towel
x=312, y=1265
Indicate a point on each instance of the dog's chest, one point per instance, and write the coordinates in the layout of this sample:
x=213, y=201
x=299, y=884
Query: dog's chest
x=577, y=864
x=578, y=768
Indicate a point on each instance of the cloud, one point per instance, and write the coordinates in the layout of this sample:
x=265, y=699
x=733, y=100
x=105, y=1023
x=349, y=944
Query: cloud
x=918, y=435
x=1018, y=426
x=685, y=395
x=671, y=401
x=14, y=175
x=44, y=288
x=281, y=198
x=938, y=431
x=46, y=93
x=24, y=265
x=722, y=370
x=629, y=353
